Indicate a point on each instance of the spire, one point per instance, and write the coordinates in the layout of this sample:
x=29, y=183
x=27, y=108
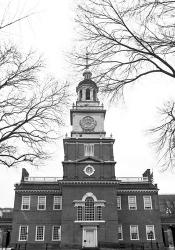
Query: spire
x=87, y=74
x=87, y=59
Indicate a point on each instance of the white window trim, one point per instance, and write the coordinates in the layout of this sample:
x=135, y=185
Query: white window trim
x=119, y=197
x=20, y=232
x=121, y=231
x=36, y=233
x=137, y=231
x=152, y=231
x=129, y=205
x=23, y=203
x=145, y=202
x=53, y=231
x=55, y=204
x=44, y=203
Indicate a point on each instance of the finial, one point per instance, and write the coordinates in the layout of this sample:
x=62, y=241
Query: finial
x=87, y=59
x=87, y=74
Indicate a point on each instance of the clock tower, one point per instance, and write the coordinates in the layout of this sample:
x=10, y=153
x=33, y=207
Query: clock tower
x=89, y=185
x=87, y=116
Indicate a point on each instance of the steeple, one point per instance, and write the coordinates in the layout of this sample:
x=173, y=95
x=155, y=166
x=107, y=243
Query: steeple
x=87, y=89
x=87, y=74
x=87, y=116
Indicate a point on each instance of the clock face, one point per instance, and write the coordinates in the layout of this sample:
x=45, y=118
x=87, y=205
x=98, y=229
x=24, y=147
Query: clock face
x=89, y=170
x=88, y=123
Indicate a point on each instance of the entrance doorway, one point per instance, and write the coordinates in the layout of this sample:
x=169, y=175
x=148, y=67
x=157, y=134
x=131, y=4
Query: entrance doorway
x=89, y=236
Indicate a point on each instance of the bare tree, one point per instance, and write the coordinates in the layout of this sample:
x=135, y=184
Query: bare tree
x=164, y=135
x=128, y=40
x=30, y=110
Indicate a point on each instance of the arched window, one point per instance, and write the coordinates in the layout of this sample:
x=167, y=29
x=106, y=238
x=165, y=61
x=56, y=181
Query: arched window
x=80, y=94
x=89, y=209
x=87, y=94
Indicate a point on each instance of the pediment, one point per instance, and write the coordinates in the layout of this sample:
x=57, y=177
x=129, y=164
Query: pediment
x=89, y=159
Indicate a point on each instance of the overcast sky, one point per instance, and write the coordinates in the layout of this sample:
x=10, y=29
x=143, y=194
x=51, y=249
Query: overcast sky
x=51, y=31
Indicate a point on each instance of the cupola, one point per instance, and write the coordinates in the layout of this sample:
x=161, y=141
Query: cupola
x=87, y=89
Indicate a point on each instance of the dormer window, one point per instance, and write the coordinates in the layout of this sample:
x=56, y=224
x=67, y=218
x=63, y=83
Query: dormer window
x=87, y=94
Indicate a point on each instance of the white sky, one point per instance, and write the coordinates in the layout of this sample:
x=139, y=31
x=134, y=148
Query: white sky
x=51, y=31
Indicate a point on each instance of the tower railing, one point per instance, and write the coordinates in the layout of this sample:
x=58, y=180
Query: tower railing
x=55, y=179
x=132, y=179
x=42, y=179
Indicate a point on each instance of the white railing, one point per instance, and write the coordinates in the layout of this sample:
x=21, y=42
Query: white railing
x=55, y=179
x=42, y=179
x=132, y=179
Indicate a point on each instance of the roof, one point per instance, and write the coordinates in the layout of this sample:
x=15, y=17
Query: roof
x=87, y=82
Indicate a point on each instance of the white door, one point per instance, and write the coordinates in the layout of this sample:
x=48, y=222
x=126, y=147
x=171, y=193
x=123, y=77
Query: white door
x=89, y=237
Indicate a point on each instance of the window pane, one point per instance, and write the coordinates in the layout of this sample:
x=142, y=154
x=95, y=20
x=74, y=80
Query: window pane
x=99, y=212
x=120, y=233
x=23, y=233
x=132, y=202
x=25, y=203
x=80, y=213
x=134, y=233
x=57, y=203
x=41, y=202
x=147, y=202
x=56, y=233
x=150, y=234
x=89, y=209
x=40, y=232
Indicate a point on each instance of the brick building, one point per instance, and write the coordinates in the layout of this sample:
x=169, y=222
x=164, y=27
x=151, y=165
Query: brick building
x=6, y=215
x=89, y=207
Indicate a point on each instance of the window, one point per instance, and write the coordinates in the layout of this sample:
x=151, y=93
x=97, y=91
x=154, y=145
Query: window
x=80, y=213
x=40, y=233
x=150, y=233
x=134, y=232
x=25, y=203
x=41, y=203
x=120, y=232
x=88, y=149
x=147, y=202
x=87, y=94
x=132, y=202
x=80, y=96
x=23, y=233
x=119, y=202
x=94, y=95
x=56, y=233
x=98, y=213
x=57, y=203
x=89, y=208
